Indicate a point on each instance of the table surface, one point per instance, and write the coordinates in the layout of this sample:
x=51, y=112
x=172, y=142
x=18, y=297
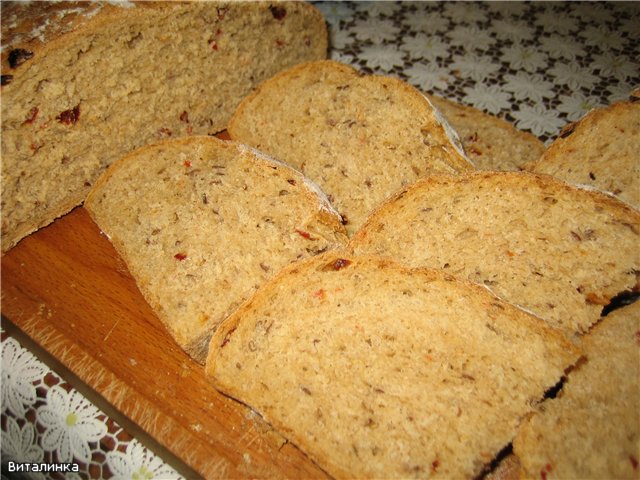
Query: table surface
x=537, y=65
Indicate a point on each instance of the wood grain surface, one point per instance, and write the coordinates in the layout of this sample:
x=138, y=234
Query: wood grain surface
x=68, y=290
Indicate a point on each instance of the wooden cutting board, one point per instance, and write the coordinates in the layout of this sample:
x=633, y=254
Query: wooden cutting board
x=68, y=290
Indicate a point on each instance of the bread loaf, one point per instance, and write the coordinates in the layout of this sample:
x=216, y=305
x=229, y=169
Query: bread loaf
x=561, y=251
x=379, y=371
x=490, y=142
x=202, y=223
x=601, y=150
x=85, y=82
x=360, y=137
x=591, y=431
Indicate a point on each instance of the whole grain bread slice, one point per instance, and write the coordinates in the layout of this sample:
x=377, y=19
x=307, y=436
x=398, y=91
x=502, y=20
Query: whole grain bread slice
x=490, y=142
x=601, y=150
x=591, y=431
x=202, y=223
x=360, y=137
x=83, y=83
x=376, y=370
x=561, y=251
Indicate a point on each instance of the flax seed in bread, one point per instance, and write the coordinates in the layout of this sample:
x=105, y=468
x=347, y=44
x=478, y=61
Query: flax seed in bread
x=602, y=150
x=490, y=142
x=561, y=251
x=592, y=430
x=202, y=223
x=376, y=370
x=85, y=82
x=360, y=137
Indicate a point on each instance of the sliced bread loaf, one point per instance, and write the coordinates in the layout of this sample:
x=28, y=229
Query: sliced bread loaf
x=602, y=150
x=201, y=223
x=592, y=431
x=561, y=251
x=85, y=82
x=360, y=137
x=376, y=370
x=490, y=142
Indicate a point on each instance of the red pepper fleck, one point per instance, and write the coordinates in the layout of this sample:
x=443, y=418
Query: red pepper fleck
x=69, y=117
x=180, y=256
x=547, y=469
x=341, y=263
x=33, y=114
x=304, y=234
x=214, y=46
x=227, y=337
x=184, y=117
x=221, y=12
x=434, y=465
x=638, y=337
x=164, y=131
x=634, y=462
x=291, y=181
x=321, y=294
x=280, y=43
x=187, y=163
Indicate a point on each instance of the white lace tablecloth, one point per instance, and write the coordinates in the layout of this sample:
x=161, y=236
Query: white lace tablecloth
x=537, y=65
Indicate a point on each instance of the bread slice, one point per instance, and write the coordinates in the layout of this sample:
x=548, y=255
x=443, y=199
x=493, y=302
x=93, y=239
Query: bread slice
x=202, y=223
x=561, y=251
x=592, y=431
x=360, y=137
x=376, y=370
x=600, y=150
x=83, y=83
x=490, y=142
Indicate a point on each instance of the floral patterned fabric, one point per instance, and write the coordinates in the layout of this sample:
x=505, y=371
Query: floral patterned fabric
x=44, y=420
x=538, y=65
